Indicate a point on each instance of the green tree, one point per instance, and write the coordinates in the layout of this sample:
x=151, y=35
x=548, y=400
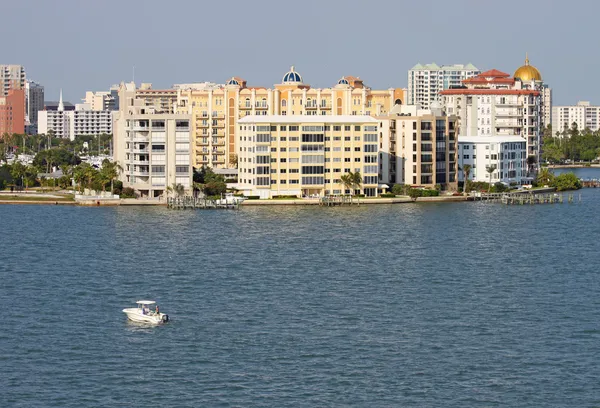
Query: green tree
x=545, y=177
x=466, y=173
x=109, y=173
x=490, y=169
x=567, y=181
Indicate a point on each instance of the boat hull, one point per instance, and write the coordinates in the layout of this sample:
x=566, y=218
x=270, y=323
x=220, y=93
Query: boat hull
x=135, y=315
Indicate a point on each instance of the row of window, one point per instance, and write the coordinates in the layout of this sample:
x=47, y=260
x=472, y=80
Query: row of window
x=295, y=128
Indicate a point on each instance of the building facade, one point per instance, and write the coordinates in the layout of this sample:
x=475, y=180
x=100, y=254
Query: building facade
x=12, y=112
x=306, y=155
x=216, y=109
x=103, y=100
x=11, y=77
x=495, y=104
x=153, y=145
x=499, y=159
x=418, y=147
x=82, y=121
x=34, y=102
x=425, y=82
x=583, y=114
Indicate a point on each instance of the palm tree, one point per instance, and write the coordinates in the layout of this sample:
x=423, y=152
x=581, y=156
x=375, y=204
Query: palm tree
x=348, y=181
x=466, y=173
x=176, y=189
x=109, y=173
x=545, y=177
x=490, y=170
x=356, y=180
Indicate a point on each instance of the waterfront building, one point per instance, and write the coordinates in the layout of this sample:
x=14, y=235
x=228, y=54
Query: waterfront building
x=502, y=157
x=103, y=100
x=216, y=109
x=495, y=104
x=81, y=121
x=152, y=141
x=11, y=77
x=425, y=82
x=418, y=147
x=12, y=112
x=306, y=155
x=34, y=102
x=583, y=114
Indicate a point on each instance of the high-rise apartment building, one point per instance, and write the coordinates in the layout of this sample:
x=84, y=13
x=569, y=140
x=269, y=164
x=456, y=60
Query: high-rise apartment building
x=306, y=155
x=82, y=121
x=12, y=112
x=418, y=147
x=11, y=77
x=425, y=82
x=583, y=114
x=152, y=140
x=495, y=104
x=216, y=109
x=103, y=100
x=34, y=102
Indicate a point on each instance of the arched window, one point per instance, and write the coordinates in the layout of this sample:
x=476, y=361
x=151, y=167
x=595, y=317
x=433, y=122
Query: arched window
x=397, y=102
x=283, y=103
x=247, y=102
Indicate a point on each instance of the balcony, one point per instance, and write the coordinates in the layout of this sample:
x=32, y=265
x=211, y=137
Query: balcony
x=261, y=105
x=311, y=106
x=201, y=143
x=248, y=106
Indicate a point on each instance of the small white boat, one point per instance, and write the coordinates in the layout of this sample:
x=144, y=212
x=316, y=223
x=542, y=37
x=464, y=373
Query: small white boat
x=230, y=199
x=144, y=314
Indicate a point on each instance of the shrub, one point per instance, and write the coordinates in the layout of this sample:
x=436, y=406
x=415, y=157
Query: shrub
x=430, y=193
x=567, y=181
x=387, y=195
x=128, y=192
x=253, y=197
x=285, y=197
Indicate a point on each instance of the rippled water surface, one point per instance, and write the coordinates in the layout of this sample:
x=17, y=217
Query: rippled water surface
x=464, y=304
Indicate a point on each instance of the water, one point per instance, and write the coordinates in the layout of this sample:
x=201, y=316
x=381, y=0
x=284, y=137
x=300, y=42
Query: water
x=462, y=304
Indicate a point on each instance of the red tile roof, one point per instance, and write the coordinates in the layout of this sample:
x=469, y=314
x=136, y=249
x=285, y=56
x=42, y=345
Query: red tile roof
x=495, y=80
x=490, y=92
x=494, y=73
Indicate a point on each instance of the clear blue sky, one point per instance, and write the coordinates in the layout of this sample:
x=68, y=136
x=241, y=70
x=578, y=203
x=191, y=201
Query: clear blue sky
x=82, y=45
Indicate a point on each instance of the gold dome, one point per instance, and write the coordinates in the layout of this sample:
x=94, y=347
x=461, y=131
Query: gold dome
x=528, y=72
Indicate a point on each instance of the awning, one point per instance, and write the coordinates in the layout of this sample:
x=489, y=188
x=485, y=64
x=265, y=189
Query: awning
x=383, y=186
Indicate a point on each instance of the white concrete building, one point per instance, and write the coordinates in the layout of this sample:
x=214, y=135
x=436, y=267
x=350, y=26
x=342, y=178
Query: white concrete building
x=11, y=77
x=583, y=114
x=34, y=102
x=495, y=104
x=79, y=122
x=153, y=146
x=506, y=155
x=425, y=82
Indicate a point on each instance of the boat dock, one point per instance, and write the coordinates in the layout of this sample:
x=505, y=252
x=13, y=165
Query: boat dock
x=193, y=203
x=590, y=183
x=332, y=201
x=528, y=198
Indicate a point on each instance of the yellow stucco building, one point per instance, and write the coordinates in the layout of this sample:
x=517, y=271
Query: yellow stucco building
x=216, y=109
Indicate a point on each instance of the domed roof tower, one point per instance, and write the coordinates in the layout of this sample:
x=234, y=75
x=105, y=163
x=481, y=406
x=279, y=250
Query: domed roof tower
x=528, y=72
x=292, y=77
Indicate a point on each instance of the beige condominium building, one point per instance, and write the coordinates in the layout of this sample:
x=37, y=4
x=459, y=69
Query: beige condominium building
x=418, y=147
x=306, y=155
x=216, y=109
x=152, y=141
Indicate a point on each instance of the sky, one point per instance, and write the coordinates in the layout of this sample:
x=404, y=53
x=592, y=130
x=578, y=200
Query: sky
x=81, y=45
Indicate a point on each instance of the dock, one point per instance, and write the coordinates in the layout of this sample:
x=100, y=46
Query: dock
x=528, y=198
x=332, y=201
x=193, y=203
x=590, y=183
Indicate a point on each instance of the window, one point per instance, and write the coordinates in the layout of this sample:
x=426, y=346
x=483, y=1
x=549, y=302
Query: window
x=347, y=128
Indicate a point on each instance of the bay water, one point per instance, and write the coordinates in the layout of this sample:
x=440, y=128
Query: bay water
x=420, y=304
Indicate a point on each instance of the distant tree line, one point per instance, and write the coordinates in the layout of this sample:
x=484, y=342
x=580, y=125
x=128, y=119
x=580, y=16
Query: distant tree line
x=571, y=144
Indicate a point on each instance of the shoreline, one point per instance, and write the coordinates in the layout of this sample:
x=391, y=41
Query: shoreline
x=573, y=166
x=141, y=202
